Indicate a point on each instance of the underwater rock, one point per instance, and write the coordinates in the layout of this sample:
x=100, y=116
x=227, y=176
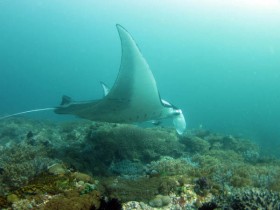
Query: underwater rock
x=156, y=202
x=160, y=201
x=82, y=177
x=57, y=169
x=134, y=205
x=141, y=189
x=131, y=189
x=12, y=198
x=23, y=204
x=84, y=187
x=72, y=200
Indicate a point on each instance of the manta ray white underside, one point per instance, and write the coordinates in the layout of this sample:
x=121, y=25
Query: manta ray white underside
x=133, y=98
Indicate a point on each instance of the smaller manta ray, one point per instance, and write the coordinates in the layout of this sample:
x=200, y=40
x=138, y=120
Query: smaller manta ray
x=133, y=98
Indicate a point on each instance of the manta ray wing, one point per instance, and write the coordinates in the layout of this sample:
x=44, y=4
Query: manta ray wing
x=134, y=96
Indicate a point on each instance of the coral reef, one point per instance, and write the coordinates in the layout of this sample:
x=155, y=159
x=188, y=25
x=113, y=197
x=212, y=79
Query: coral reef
x=113, y=143
x=72, y=200
x=160, y=200
x=168, y=166
x=20, y=163
x=245, y=198
x=127, y=168
x=51, y=166
x=142, y=189
x=56, y=191
x=201, y=186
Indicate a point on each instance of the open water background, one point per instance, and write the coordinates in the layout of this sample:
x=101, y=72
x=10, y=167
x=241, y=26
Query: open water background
x=217, y=60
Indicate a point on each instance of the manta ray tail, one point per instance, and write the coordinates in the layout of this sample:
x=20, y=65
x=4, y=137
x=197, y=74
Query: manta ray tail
x=25, y=112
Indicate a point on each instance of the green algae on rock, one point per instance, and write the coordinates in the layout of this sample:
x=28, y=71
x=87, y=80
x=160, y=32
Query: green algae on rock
x=72, y=200
x=160, y=200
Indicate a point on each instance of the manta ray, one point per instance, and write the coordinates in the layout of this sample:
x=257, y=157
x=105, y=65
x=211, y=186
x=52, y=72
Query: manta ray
x=133, y=98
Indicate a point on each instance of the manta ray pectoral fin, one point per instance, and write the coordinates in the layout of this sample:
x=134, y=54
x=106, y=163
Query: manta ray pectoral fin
x=179, y=122
x=105, y=88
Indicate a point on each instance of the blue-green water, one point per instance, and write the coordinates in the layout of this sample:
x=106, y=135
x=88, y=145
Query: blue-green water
x=217, y=60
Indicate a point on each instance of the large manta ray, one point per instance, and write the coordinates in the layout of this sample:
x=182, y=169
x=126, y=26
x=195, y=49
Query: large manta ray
x=133, y=98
